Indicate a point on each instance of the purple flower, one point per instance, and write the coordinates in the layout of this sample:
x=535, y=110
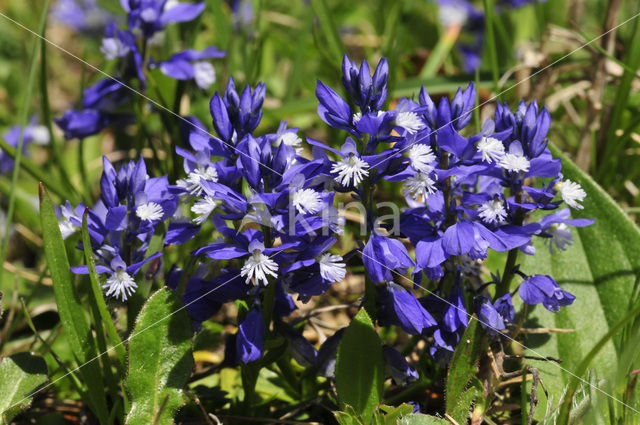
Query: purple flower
x=191, y=65
x=400, y=307
x=120, y=283
x=543, y=289
x=333, y=109
x=204, y=297
x=555, y=228
x=397, y=366
x=250, y=337
x=369, y=93
x=243, y=14
x=457, y=112
x=382, y=256
x=81, y=124
x=84, y=16
x=106, y=95
x=235, y=116
x=151, y=16
x=249, y=244
x=32, y=133
x=494, y=317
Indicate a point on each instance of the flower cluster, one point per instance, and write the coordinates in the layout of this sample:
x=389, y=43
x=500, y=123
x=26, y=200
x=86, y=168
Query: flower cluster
x=122, y=223
x=271, y=208
x=465, y=194
x=109, y=101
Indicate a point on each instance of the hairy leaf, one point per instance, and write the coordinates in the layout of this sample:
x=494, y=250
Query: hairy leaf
x=600, y=269
x=462, y=370
x=20, y=375
x=419, y=419
x=160, y=360
x=360, y=367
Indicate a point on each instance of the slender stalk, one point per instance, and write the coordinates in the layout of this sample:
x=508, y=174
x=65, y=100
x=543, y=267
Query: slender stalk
x=82, y=166
x=491, y=42
x=24, y=116
x=54, y=148
x=509, y=269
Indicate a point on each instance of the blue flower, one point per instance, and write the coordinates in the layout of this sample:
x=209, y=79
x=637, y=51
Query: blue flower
x=333, y=109
x=369, y=93
x=543, y=289
x=84, y=16
x=382, y=256
x=494, y=317
x=235, y=116
x=554, y=229
x=191, y=65
x=204, y=297
x=105, y=96
x=120, y=283
x=250, y=244
x=151, y=16
x=457, y=112
x=32, y=133
x=81, y=124
x=250, y=337
x=400, y=307
x=397, y=366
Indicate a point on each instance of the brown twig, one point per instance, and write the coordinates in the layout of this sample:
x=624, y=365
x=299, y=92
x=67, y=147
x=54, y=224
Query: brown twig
x=196, y=400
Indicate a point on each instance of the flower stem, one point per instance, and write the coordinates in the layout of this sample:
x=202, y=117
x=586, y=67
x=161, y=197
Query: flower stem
x=509, y=268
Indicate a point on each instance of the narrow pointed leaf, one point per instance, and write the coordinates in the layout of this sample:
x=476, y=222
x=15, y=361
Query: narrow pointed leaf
x=76, y=327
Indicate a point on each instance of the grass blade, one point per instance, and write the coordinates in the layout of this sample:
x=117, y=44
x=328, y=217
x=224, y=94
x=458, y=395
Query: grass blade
x=54, y=149
x=24, y=116
x=607, y=169
x=329, y=29
x=489, y=13
x=37, y=173
x=440, y=52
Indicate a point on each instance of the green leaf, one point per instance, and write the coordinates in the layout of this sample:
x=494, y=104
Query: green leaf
x=392, y=414
x=463, y=369
x=20, y=375
x=600, y=269
x=360, y=367
x=420, y=419
x=460, y=412
x=76, y=327
x=160, y=360
x=348, y=417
